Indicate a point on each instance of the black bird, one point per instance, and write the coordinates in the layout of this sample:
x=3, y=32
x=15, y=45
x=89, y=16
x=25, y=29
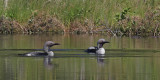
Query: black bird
x=46, y=50
x=99, y=48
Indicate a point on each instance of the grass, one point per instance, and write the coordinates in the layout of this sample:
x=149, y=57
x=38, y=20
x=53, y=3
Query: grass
x=67, y=11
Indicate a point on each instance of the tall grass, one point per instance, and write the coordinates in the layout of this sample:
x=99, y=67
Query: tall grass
x=70, y=10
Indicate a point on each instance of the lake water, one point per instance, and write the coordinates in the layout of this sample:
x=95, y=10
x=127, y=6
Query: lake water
x=127, y=58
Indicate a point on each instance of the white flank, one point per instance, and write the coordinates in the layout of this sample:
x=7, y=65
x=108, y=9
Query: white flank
x=100, y=51
x=28, y=55
x=50, y=53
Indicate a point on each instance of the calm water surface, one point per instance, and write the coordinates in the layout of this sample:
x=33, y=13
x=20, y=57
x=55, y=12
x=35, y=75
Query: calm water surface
x=127, y=58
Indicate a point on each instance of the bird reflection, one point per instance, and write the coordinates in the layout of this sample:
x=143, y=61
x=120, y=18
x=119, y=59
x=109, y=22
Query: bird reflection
x=100, y=59
x=101, y=65
x=48, y=62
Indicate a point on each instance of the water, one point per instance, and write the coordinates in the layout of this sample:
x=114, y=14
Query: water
x=127, y=58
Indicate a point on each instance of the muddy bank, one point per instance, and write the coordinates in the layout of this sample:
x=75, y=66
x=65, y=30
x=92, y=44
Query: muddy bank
x=36, y=24
x=46, y=23
x=125, y=25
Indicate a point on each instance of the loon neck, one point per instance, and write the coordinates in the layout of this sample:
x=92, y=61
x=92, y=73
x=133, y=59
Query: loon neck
x=99, y=45
x=46, y=49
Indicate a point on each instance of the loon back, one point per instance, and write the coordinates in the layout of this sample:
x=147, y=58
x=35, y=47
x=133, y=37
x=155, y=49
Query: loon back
x=95, y=50
x=34, y=54
x=91, y=50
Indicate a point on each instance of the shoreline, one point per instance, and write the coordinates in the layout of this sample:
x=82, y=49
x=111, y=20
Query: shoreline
x=124, y=25
x=136, y=17
x=44, y=24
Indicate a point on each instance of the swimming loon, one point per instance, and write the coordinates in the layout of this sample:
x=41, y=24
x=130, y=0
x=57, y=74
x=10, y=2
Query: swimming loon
x=46, y=49
x=99, y=49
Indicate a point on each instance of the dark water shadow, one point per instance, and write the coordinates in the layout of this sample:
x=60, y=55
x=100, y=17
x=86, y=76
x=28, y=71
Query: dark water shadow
x=85, y=55
x=115, y=50
x=64, y=53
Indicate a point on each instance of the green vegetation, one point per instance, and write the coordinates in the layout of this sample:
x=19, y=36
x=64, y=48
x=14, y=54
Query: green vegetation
x=118, y=17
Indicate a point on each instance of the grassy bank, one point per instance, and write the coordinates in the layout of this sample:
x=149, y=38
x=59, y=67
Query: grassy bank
x=116, y=17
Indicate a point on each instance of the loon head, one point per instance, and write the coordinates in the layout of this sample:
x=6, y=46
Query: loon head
x=49, y=44
x=101, y=42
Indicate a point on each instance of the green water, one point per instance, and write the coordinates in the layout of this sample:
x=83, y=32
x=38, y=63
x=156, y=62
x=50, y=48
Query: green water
x=127, y=58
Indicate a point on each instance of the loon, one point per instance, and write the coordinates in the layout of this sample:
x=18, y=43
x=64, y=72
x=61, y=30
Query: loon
x=46, y=49
x=99, y=49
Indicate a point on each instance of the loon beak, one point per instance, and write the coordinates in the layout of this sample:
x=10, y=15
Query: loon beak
x=56, y=44
x=106, y=42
